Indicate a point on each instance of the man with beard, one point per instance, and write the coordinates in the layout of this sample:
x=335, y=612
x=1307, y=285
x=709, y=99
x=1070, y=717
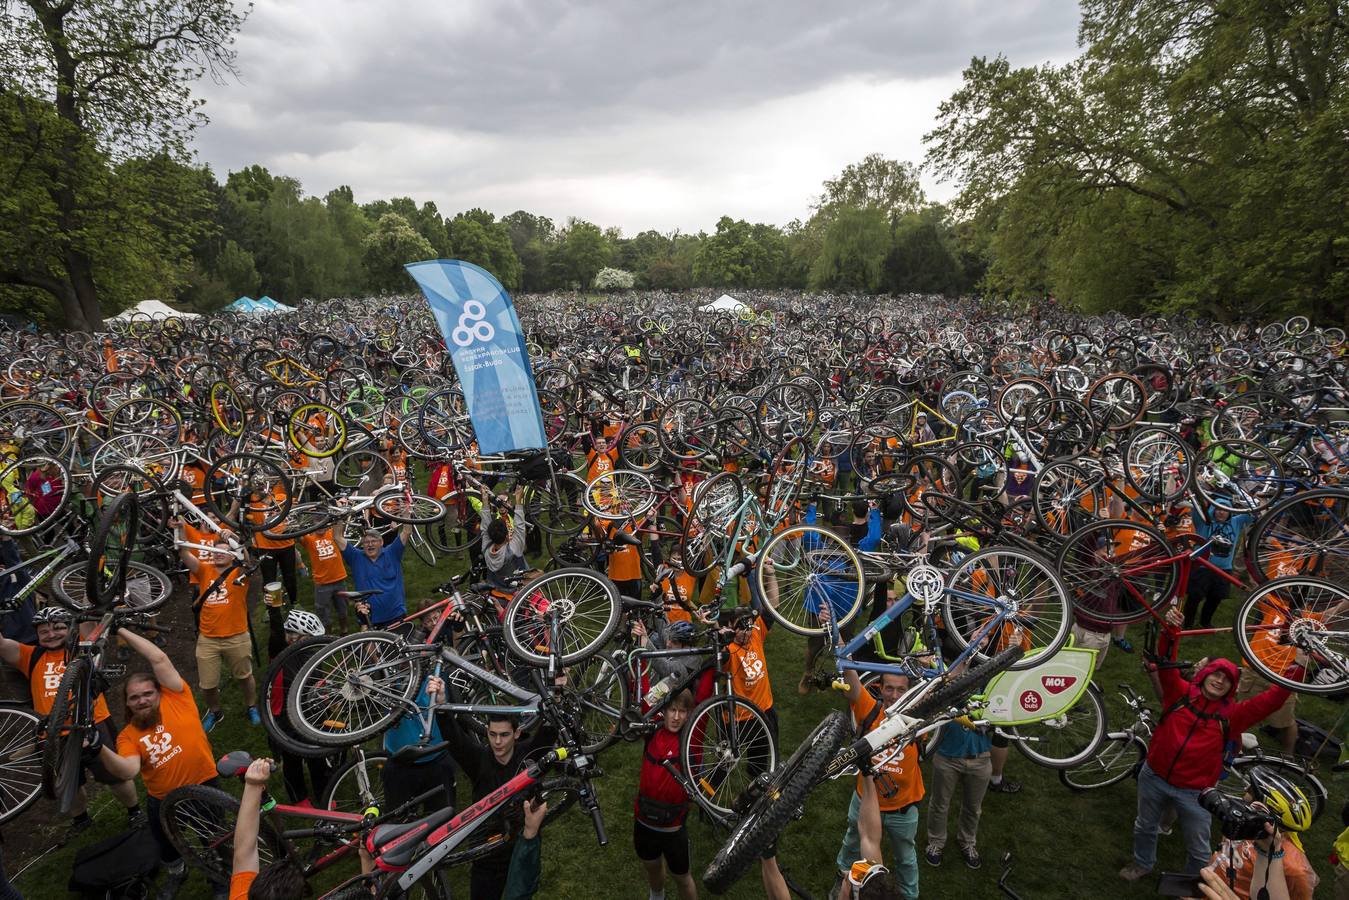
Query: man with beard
x=45, y=666
x=164, y=743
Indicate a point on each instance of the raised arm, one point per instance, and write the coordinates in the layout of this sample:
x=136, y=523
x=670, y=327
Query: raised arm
x=159, y=661
x=9, y=652
x=250, y=813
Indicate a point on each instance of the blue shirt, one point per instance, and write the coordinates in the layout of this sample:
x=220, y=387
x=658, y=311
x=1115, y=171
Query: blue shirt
x=1231, y=530
x=408, y=731
x=384, y=573
x=961, y=743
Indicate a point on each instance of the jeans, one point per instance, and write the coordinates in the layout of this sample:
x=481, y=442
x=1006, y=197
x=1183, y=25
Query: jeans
x=902, y=827
x=972, y=775
x=1154, y=795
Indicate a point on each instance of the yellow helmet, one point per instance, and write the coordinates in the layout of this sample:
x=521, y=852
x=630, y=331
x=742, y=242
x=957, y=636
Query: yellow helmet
x=1284, y=799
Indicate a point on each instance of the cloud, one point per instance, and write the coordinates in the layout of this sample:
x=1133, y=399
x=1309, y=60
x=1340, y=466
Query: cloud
x=636, y=114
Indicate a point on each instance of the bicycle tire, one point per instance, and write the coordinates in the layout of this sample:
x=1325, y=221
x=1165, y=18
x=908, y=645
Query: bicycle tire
x=1286, y=609
x=198, y=821
x=1054, y=734
x=1311, y=786
x=731, y=738
x=279, y=728
x=524, y=623
x=1100, y=594
x=702, y=545
x=120, y=515
x=311, y=694
x=1302, y=535
x=373, y=765
x=302, y=519
x=1034, y=590
x=148, y=587
x=1120, y=756
x=418, y=509
x=766, y=818
x=794, y=557
x=33, y=464
x=20, y=761
x=63, y=749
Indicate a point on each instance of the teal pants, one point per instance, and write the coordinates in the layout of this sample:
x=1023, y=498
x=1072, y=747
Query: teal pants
x=901, y=827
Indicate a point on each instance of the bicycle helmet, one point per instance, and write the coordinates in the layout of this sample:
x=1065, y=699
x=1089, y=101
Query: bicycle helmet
x=52, y=615
x=302, y=621
x=681, y=631
x=1284, y=799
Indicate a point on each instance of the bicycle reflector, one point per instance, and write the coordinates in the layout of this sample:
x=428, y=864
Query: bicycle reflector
x=925, y=583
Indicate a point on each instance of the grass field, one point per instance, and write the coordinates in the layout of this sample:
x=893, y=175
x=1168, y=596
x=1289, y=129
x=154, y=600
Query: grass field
x=1065, y=844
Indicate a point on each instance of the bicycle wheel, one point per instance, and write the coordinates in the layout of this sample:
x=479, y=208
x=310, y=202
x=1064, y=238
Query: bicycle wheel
x=1120, y=756
x=568, y=614
x=1067, y=740
x=278, y=727
x=110, y=548
x=1116, y=569
x=1024, y=586
x=619, y=495
x=357, y=786
x=20, y=761
x=1065, y=498
x=146, y=590
x=63, y=750
x=1307, y=534
x=639, y=448
x=1158, y=464
x=36, y=490
x=599, y=693
x=1295, y=613
x=199, y=822
x=352, y=689
x=780, y=802
x=247, y=491
x=1117, y=401
x=709, y=527
x=1236, y=776
x=452, y=534
x=409, y=509
x=811, y=567
x=1238, y=476
x=302, y=519
x=316, y=430
x=724, y=746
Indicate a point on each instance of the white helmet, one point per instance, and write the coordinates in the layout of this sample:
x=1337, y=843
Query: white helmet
x=302, y=621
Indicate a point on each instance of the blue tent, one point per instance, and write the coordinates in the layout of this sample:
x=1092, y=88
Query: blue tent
x=244, y=304
x=270, y=305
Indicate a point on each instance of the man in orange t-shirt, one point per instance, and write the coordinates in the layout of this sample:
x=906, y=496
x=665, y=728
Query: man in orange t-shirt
x=330, y=576
x=222, y=630
x=45, y=665
x=749, y=663
x=163, y=742
x=625, y=561
x=281, y=880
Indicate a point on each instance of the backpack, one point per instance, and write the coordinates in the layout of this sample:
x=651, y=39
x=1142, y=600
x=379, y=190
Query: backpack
x=121, y=867
x=1230, y=744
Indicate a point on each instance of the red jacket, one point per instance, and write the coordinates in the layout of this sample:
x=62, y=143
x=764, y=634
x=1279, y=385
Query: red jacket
x=1187, y=747
x=654, y=782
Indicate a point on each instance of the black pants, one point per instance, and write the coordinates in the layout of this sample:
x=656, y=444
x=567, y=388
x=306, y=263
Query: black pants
x=631, y=589
x=403, y=781
x=293, y=767
x=757, y=748
x=284, y=559
x=487, y=876
x=1206, y=588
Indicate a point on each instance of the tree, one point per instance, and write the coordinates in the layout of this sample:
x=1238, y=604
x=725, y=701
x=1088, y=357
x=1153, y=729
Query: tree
x=583, y=251
x=533, y=238
x=392, y=245
x=89, y=85
x=922, y=259
x=476, y=237
x=739, y=255
x=853, y=252
x=885, y=184
x=236, y=271
x=608, y=279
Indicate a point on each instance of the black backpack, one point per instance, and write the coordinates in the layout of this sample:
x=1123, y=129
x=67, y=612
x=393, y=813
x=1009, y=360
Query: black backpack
x=121, y=867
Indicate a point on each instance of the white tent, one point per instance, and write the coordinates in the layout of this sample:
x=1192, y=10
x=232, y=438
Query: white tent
x=724, y=302
x=155, y=309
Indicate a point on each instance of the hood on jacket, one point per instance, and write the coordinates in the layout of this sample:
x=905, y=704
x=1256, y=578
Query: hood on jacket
x=1226, y=666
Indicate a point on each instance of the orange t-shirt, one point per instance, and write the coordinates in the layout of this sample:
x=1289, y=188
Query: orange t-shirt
x=601, y=463
x=257, y=515
x=45, y=677
x=678, y=591
x=749, y=670
x=225, y=612
x=173, y=753
x=240, y=882
x=625, y=561
x=195, y=475
x=325, y=562
x=899, y=782
x=441, y=483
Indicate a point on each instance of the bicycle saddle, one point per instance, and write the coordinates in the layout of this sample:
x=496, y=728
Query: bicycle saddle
x=395, y=846
x=234, y=764
x=354, y=595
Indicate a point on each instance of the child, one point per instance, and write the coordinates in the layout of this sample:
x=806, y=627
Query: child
x=659, y=833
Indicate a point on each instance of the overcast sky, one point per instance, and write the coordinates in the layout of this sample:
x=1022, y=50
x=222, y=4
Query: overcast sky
x=637, y=114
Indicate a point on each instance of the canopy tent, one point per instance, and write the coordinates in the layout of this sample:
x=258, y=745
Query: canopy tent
x=155, y=309
x=723, y=303
x=273, y=306
x=244, y=304
x=261, y=305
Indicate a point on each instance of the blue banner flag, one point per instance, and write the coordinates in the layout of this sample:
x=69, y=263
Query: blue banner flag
x=486, y=344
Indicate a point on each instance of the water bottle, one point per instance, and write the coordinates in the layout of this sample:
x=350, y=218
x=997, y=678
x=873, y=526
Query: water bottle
x=659, y=691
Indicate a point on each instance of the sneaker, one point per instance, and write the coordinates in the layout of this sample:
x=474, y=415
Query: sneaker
x=212, y=718
x=1006, y=786
x=1124, y=644
x=971, y=857
x=932, y=856
x=76, y=828
x=1133, y=872
x=254, y=717
x=173, y=881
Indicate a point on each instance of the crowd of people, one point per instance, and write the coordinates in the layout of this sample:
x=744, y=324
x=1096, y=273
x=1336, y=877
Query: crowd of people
x=248, y=593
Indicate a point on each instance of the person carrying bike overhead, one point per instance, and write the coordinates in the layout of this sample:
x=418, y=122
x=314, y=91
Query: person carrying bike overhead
x=281, y=880
x=503, y=546
x=298, y=625
x=659, y=831
x=1200, y=719
x=163, y=742
x=376, y=566
x=44, y=664
x=222, y=629
x=488, y=768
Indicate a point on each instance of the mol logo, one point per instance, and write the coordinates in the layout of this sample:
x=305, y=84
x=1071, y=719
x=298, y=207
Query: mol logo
x=1057, y=684
x=471, y=326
